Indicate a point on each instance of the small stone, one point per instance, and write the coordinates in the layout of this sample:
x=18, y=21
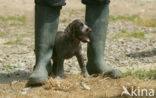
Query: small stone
x=85, y=86
x=21, y=64
x=24, y=91
x=13, y=82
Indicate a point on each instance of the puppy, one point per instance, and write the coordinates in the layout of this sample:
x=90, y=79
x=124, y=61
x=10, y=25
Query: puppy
x=67, y=44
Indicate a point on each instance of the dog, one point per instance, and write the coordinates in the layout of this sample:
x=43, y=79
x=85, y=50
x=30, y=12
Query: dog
x=67, y=44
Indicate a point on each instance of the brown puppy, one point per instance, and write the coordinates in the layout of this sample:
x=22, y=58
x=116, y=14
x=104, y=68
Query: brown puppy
x=67, y=44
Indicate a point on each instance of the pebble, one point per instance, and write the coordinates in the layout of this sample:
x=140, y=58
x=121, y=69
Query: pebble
x=85, y=86
x=13, y=82
x=24, y=91
x=21, y=64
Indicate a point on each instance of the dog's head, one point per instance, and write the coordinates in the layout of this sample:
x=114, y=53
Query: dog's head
x=81, y=30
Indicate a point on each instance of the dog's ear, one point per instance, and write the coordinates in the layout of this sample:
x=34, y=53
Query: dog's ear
x=76, y=20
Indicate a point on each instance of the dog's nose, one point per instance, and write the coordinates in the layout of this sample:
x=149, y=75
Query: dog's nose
x=89, y=30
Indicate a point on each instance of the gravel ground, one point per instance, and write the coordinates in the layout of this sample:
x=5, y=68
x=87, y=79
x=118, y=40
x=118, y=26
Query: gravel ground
x=120, y=52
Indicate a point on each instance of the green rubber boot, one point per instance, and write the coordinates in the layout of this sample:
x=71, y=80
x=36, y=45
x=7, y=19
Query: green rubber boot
x=46, y=24
x=97, y=19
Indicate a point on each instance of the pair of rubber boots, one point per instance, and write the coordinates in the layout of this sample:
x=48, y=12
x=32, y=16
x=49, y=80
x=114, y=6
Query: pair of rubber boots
x=46, y=24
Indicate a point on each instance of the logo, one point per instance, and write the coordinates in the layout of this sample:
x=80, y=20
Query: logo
x=137, y=92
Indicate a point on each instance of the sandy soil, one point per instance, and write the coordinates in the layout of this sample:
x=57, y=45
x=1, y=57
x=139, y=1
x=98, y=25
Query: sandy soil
x=72, y=86
x=145, y=8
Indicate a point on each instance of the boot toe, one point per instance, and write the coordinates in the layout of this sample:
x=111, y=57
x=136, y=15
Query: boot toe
x=115, y=73
x=37, y=80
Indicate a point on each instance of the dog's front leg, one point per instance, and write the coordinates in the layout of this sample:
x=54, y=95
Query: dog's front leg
x=82, y=65
x=58, y=67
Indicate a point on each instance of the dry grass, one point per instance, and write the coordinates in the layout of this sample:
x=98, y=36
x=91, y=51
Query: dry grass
x=70, y=88
x=146, y=22
x=136, y=19
x=135, y=34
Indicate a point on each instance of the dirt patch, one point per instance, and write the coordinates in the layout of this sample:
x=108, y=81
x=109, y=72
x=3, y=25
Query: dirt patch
x=71, y=87
x=145, y=8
